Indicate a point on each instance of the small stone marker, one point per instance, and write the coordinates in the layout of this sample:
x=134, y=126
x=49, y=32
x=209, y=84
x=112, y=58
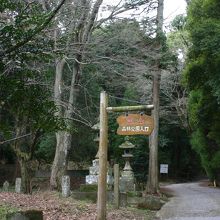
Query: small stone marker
x=18, y=185
x=116, y=186
x=6, y=186
x=65, y=186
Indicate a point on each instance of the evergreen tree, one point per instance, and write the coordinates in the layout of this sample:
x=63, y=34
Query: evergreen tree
x=203, y=80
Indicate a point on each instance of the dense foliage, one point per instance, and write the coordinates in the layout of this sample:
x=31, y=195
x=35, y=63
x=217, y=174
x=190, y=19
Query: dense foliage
x=118, y=57
x=203, y=80
x=26, y=108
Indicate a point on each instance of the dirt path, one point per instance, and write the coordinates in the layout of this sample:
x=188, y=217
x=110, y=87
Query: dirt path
x=191, y=201
x=56, y=208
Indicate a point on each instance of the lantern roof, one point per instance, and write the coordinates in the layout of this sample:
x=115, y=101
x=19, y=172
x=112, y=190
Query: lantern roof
x=126, y=145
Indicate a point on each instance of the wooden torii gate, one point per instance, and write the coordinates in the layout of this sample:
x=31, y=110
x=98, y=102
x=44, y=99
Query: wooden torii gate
x=103, y=147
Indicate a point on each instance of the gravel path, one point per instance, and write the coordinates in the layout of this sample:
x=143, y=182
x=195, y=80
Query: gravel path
x=191, y=202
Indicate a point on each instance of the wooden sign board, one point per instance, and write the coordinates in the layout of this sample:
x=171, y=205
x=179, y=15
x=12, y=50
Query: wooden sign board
x=134, y=124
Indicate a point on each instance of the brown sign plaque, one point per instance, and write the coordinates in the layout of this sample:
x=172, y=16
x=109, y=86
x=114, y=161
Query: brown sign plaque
x=133, y=124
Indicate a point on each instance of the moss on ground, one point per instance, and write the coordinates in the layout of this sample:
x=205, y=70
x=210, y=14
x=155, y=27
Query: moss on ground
x=5, y=209
x=88, y=188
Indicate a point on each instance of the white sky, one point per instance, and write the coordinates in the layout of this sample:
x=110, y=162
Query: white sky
x=171, y=8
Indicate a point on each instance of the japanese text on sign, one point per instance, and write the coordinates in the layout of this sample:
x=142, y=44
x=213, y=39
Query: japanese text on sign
x=133, y=124
x=135, y=128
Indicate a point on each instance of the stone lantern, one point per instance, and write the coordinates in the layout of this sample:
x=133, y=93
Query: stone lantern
x=127, y=175
x=96, y=128
x=92, y=178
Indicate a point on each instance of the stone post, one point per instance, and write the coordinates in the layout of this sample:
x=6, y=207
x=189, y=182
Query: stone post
x=116, y=186
x=65, y=186
x=6, y=186
x=18, y=185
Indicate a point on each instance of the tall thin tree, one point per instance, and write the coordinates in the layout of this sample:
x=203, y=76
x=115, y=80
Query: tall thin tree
x=81, y=27
x=152, y=184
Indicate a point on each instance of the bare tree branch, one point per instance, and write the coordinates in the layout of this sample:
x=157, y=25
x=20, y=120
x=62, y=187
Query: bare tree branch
x=16, y=138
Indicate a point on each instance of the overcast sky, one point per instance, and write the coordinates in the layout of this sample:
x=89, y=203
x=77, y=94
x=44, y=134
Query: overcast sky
x=171, y=8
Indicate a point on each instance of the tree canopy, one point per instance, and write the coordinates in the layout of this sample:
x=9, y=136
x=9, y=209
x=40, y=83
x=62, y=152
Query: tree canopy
x=57, y=57
x=202, y=79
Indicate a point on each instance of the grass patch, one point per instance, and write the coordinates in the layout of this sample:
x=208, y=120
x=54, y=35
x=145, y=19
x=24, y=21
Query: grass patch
x=5, y=209
x=134, y=194
x=10, y=189
x=88, y=188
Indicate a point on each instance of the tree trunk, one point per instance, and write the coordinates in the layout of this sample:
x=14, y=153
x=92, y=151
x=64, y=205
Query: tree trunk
x=63, y=138
x=17, y=169
x=152, y=183
x=79, y=34
x=23, y=157
x=60, y=161
x=25, y=176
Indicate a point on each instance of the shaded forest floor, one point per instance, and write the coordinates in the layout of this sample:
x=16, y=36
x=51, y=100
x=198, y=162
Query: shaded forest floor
x=56, y=208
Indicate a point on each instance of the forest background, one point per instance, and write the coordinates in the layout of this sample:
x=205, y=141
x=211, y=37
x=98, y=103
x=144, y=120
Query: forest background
x=56, y=57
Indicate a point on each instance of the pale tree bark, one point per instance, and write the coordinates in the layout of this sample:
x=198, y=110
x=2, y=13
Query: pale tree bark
x=63, y=138
x=57, y=99
x=78, y=35
x=152, y=183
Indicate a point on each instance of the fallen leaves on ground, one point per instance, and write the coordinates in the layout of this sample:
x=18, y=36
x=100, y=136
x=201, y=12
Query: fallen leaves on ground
x=56, y=208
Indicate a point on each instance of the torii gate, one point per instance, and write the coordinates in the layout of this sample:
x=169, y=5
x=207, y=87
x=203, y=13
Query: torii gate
x=103, y=146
